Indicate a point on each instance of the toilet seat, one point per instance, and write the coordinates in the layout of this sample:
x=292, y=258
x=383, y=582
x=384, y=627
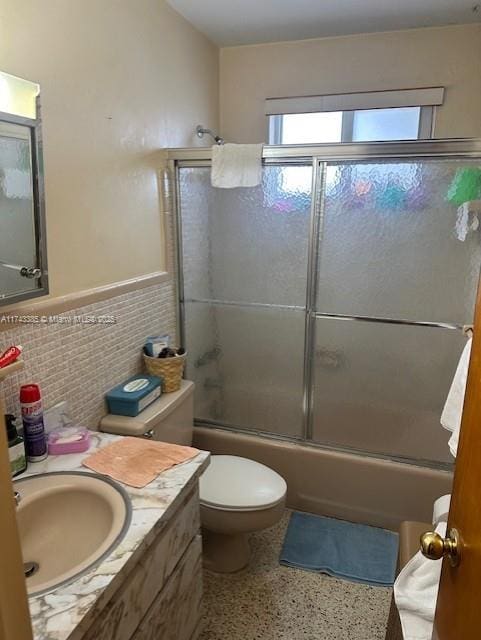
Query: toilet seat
x=231, y=483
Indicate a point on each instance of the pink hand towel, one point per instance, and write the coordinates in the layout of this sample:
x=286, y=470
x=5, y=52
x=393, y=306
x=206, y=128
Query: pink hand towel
x=137, y=461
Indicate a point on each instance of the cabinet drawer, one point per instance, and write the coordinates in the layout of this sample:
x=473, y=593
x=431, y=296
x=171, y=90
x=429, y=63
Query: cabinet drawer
x=122, y=615
x=175, y=614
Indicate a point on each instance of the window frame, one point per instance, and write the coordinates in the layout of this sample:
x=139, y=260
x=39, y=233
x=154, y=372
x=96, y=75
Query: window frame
x=425, y=128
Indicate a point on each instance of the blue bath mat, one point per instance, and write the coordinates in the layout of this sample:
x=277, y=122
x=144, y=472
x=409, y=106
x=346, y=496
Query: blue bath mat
x=342, y=549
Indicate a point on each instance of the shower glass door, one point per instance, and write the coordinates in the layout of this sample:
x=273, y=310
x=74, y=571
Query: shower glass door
x=332, y=312
x=244, y=256
x=390, y=269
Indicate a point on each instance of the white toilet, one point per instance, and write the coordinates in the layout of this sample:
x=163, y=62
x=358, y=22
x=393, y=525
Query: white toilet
x=237, y=495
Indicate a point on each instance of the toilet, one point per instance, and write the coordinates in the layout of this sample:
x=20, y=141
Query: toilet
x=237, y=496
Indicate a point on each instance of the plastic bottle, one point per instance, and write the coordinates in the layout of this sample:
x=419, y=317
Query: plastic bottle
x=33, y=427
x=16, y=447
x=10, y=355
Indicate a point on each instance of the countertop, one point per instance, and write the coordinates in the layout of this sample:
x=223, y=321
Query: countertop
x=67, y=612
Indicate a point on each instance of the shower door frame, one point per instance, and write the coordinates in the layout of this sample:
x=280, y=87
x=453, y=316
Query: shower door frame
x=319, y=157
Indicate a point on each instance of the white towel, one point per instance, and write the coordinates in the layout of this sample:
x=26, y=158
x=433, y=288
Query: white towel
x=453, y=409
x=441, y=509
x=415, y=593
x=236, y=165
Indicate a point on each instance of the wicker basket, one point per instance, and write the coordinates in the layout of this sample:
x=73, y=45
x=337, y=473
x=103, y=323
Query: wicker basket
x=169, y=370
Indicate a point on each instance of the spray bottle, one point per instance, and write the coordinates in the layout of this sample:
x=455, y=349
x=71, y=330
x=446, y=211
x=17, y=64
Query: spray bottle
x=33, y=427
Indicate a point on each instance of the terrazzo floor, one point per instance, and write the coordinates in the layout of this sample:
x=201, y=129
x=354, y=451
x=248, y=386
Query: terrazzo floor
x=270, y=602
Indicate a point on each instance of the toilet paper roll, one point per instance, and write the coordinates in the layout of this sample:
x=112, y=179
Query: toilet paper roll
x=441, y=509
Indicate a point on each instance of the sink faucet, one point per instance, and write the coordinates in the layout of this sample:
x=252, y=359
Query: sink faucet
x=17, y=497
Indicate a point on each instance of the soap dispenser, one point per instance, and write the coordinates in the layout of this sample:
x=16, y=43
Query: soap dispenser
x=16, y=447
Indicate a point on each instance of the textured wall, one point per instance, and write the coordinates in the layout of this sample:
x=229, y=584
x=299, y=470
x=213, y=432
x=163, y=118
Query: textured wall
x=119, y=81
x=80, y=362
x=446, y=56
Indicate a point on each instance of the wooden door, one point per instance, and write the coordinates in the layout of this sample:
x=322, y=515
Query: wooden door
x=458, y=611
x=14, y=613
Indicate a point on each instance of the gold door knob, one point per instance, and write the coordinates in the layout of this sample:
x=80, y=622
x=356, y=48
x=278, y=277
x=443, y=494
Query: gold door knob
x=434, y=547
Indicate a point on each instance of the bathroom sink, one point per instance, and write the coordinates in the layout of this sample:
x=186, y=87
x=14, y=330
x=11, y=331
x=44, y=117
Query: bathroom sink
x=68, y=521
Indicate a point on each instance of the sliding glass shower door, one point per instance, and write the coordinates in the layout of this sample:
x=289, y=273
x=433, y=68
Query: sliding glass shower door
x=332, y=313
x=245, y=254
x=389, y=258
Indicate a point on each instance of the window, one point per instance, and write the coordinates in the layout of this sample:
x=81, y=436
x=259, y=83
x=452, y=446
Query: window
x=365, y=125
x=356, y=117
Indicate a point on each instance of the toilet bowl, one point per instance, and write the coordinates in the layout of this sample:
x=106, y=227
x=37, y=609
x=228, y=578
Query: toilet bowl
x=237, y=496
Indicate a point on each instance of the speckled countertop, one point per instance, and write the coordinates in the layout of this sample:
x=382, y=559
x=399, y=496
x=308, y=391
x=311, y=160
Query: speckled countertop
x=68, y=611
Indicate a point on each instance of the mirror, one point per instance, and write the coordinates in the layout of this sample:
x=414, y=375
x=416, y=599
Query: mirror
x=23, y=262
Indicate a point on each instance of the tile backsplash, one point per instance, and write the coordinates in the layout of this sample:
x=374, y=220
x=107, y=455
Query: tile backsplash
x=75, y=358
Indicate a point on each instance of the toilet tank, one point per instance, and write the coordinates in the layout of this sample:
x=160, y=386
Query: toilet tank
x=169, y=419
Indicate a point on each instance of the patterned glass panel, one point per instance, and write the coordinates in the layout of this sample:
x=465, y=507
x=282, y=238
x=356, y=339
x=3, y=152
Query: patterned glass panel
x=247, y=364
x=247, y=245
x=389, y=245
x=381, y=388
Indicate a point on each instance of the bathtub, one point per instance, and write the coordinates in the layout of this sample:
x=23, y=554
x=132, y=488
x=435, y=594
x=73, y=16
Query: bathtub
x=344, y=485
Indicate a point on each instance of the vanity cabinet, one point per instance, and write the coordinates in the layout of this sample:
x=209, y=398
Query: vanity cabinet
x=160, y=598
x=174, y=614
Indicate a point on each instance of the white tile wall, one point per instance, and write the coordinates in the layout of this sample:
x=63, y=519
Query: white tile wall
x=80, y=362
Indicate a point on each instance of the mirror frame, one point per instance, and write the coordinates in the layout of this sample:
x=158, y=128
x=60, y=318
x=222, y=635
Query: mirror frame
x=35, y=129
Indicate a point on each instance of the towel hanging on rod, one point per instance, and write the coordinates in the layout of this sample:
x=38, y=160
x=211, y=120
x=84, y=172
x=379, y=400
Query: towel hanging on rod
x=236, y=165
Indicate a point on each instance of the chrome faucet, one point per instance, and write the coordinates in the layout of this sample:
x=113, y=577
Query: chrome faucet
x=17, y=497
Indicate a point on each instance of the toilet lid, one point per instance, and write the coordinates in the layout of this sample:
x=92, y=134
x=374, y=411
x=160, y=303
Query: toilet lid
x=232, y=483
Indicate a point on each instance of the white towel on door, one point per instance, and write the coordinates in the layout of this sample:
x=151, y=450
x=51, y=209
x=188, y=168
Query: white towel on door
x=441, y=509
x=453, y=409
x=236, y=165
x=415, y=593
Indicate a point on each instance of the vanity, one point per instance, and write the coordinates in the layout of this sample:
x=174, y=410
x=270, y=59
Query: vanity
x=149, y=587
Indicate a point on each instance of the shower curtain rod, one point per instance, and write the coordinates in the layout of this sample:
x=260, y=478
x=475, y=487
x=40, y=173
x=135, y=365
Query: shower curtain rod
x=465, y=147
